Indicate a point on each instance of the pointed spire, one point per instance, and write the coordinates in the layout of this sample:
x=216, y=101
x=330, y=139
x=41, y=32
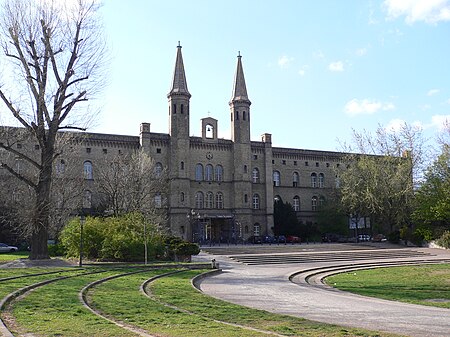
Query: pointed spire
x=239, y=88
x=179, y=84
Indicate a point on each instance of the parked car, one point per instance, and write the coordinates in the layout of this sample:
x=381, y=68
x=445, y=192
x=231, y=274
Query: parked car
x=6, y=248
x=269, y=239
x=281, y=239
x=363, y=237
x=255, y=239
x=292, y=239
x=379, y=238
x=330, y=237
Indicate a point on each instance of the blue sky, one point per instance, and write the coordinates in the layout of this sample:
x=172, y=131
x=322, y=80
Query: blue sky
x=314, y=69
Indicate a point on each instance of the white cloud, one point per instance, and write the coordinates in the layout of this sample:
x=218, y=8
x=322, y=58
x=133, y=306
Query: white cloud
x=366, y=107
x=395, y=125
x=430, y=11
x=284, y=61
x=433, y=92
x=439, y=121
x=336, y=66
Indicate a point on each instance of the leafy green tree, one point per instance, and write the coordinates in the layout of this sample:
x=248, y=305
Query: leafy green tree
x=379, y=180
x=433, y=197
x=285, y=219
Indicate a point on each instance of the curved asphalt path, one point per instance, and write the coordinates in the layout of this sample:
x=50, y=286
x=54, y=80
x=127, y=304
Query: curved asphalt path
x=268, y=287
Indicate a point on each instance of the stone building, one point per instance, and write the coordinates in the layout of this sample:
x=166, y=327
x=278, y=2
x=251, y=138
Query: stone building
x=219, y=188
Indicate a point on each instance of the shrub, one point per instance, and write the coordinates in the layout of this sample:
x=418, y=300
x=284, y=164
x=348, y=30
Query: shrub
x=114, y=238
x=56, y=250
x=444, y=240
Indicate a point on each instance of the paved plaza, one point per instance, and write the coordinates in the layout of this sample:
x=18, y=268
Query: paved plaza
x=259, y=277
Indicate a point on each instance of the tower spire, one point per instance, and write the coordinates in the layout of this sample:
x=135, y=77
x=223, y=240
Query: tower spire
x=239, y=88
x=179, y=84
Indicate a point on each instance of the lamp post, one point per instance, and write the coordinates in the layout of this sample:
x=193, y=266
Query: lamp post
x=82, y=220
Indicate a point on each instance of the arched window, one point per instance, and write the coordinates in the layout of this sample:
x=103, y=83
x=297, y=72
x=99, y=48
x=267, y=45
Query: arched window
x=295, y=179
x=313, y=180
x=256, y=229
x=182, y=108
x=296, y=203
x=255, y=175
x=246, y=229
x=182, y=165
x=244, y=115
x=255, y=201
x=87, y=169
x=60, y=167
x=199, y=200
x=276, y=178
x=245, y=198
x=209, y=172
x=219, y=173
x=314, y=203
x=87, y=199
x=209, y=133
x=158, y=200
x=219, y=200
x=209, y=200
x=174, y=109
x=321, y=179
x=199, y=172
x=236, y=115
x=158, y=169
x=245, y=169
x=182, y=197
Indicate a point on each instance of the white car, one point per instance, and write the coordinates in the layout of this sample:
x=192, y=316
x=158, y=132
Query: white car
x=5, y=248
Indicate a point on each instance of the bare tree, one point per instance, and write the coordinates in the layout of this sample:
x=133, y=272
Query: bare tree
x=55, y=53
x=132, y=183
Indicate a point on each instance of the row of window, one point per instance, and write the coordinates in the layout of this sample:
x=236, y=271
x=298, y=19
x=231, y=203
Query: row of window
x=317, y=180
x=209, y=173
x=208, y=200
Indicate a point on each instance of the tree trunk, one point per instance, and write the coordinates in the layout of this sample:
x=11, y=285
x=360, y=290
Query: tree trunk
x=39, y=236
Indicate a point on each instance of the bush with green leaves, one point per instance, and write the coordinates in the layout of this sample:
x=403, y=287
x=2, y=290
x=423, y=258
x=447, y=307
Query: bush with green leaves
x=444, y=240
x=120, y=238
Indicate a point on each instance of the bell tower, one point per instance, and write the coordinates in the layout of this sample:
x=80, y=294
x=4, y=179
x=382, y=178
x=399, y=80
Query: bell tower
x=240, y=135
x=179, y=97
x=179, y=155
x=240, y=107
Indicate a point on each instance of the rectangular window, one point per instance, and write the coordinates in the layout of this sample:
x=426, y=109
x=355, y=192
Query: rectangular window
x=306, y=163
x=158, y=150
x=105, y=151
x=19, y=146
x=295, y=163
x=284, y=162
x=88, y=150
x=317, y=164
x=255, y=156
x=36, y=147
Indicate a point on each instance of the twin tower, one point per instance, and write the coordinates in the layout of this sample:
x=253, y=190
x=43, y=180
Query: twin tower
x=179, y=98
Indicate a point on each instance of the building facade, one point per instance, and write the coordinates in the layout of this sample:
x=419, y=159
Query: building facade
x=219, y=189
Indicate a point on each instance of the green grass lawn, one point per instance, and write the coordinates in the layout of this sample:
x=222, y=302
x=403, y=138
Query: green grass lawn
x=55, y=309
x=422, y=284
x=6, y=257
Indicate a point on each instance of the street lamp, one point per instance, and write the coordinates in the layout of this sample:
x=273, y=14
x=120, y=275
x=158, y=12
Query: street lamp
x=82, y=220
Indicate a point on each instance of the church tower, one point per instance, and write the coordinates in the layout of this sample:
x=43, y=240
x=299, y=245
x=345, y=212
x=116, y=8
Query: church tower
x=179, y=97
x=240, y=107
x=240, y=135
x=179, y=152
